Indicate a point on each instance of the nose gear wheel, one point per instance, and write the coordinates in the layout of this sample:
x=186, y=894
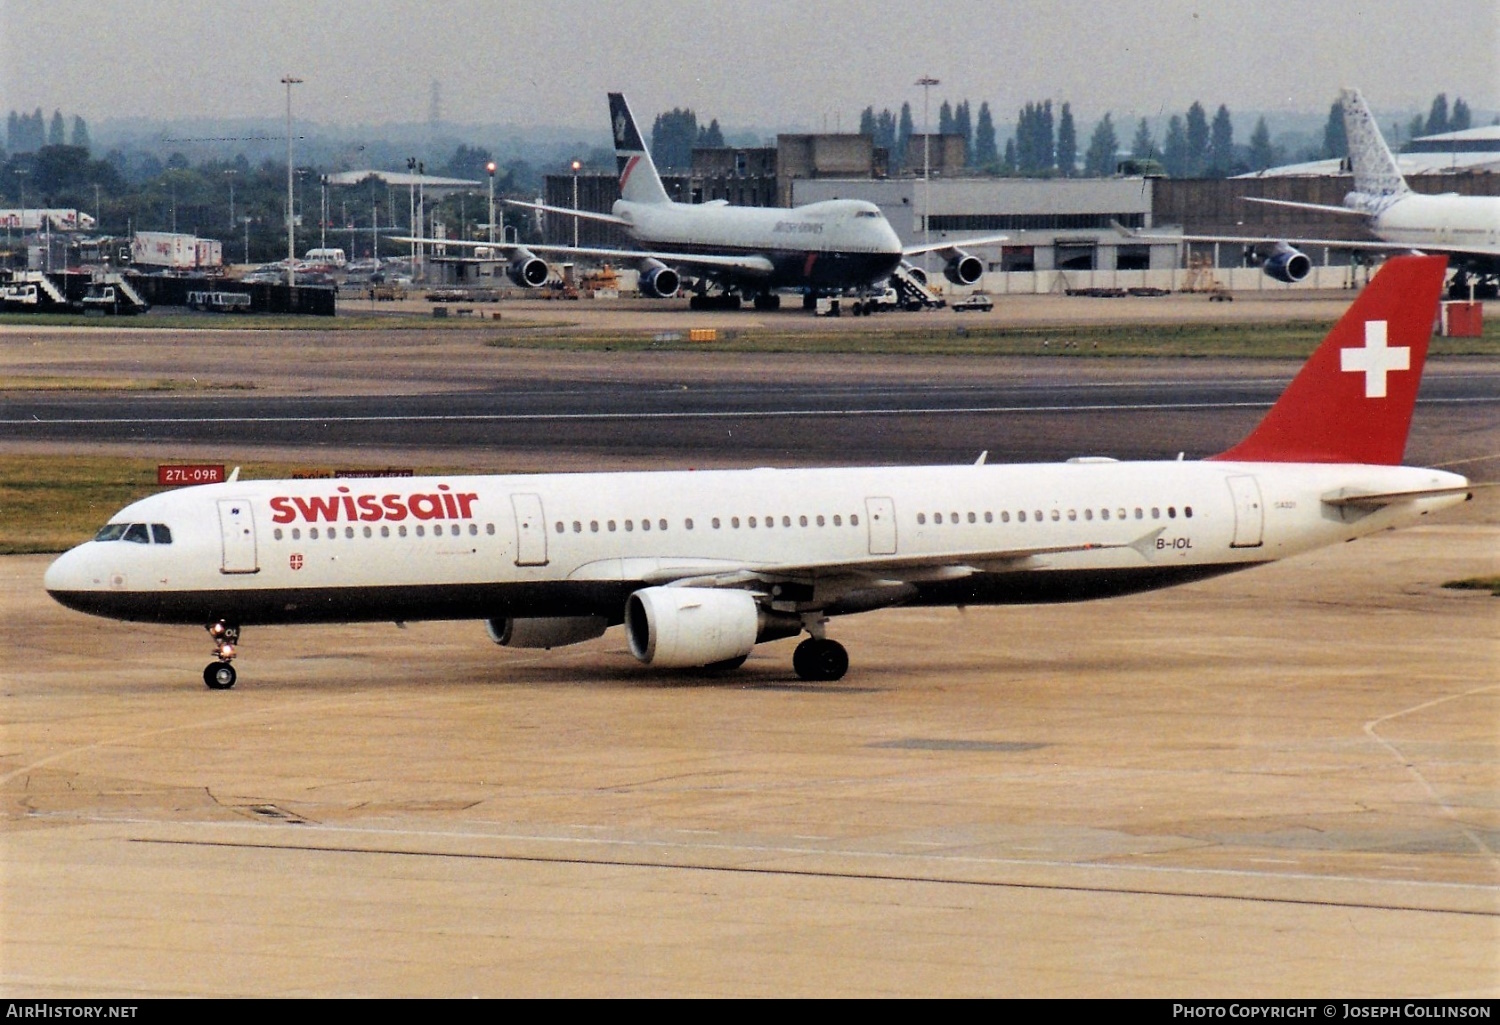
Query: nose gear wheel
x=219, y=674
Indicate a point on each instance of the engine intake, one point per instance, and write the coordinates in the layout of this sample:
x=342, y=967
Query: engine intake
x=963, y=268
x=528, y=270
x=677, y=627
x=546, y=631
x=1287, y=264
x=658, y=280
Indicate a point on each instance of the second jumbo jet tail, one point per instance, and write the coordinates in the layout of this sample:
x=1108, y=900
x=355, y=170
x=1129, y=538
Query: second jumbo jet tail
x=1376, y=174
x=639, y=182
x=1352, y=401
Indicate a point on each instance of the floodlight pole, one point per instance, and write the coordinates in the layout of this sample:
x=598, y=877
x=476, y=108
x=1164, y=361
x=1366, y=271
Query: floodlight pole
x=490, y=167
x=291, y=232
x=411, y=210
x=926, y=82
x=576, y=166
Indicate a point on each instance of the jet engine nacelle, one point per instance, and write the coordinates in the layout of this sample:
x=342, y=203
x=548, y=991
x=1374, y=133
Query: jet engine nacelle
x=916, y=273
x=1287, y=264
x=658, y=280
x=527, y=269
x=963, y=268
x=677, y=627
x=546, y=631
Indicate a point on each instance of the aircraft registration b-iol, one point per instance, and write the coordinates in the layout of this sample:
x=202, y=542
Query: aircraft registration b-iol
x=701, y=566
x=745, y=252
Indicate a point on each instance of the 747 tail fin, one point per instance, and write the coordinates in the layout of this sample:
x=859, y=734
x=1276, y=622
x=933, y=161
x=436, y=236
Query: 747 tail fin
x=639, y=182
x=1376, y=174
x=1353, y=399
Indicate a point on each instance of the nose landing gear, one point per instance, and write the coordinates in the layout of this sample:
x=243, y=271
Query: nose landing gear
x=220, y=675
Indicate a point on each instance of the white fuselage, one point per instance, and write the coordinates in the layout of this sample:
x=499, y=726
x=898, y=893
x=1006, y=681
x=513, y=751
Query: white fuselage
x=852, y=230
x=1470, y=223
x=579, y=544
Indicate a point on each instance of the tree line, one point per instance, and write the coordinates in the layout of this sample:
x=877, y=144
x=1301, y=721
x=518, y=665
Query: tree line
x=1045, y=142
x=27, y=133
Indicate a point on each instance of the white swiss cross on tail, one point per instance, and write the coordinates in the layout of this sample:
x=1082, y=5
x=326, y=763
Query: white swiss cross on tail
x=1375, y=360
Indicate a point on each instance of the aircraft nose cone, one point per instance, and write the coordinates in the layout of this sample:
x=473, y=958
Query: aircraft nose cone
x=69, y=572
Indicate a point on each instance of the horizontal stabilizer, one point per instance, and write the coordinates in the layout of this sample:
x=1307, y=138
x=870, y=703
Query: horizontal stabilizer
x=1371, y=500
x=1320, y=207
x=564, y=211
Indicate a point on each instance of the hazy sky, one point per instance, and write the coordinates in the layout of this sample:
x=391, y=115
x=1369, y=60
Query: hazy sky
x=750, y=63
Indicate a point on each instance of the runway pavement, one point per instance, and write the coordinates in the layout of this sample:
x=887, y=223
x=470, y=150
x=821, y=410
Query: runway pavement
x=1280, y=783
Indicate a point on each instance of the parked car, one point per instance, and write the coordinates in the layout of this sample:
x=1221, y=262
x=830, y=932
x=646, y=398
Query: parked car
x=977, y=302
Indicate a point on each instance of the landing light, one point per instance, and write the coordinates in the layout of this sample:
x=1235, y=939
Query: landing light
x=226, y=651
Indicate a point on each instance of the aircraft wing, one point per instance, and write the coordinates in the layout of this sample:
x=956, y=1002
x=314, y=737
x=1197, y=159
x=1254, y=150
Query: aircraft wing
x=933, y=247
x=754, y=266
x=757, y=266
x=884, y=568
x=1372, y=246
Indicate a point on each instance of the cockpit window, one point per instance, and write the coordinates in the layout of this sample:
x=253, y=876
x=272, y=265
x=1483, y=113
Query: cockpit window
x=161, y=534
x=868, y=213
x=111, y=532
x=137, y=533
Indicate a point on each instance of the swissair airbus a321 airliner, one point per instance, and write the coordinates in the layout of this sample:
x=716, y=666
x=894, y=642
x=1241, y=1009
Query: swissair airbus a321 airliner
x=700, y=567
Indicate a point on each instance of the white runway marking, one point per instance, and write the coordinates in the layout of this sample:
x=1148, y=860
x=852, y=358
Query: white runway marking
x=308, y=832
x=1372, y=731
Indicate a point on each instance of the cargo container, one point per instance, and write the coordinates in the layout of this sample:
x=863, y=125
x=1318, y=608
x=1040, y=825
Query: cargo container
x=175, y=251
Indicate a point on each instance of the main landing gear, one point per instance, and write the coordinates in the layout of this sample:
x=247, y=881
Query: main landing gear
x=714, y=301
x=220, y=675
x=819, y=659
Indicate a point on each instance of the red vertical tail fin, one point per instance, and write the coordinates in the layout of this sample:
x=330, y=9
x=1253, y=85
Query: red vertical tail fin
x=1353, y=399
